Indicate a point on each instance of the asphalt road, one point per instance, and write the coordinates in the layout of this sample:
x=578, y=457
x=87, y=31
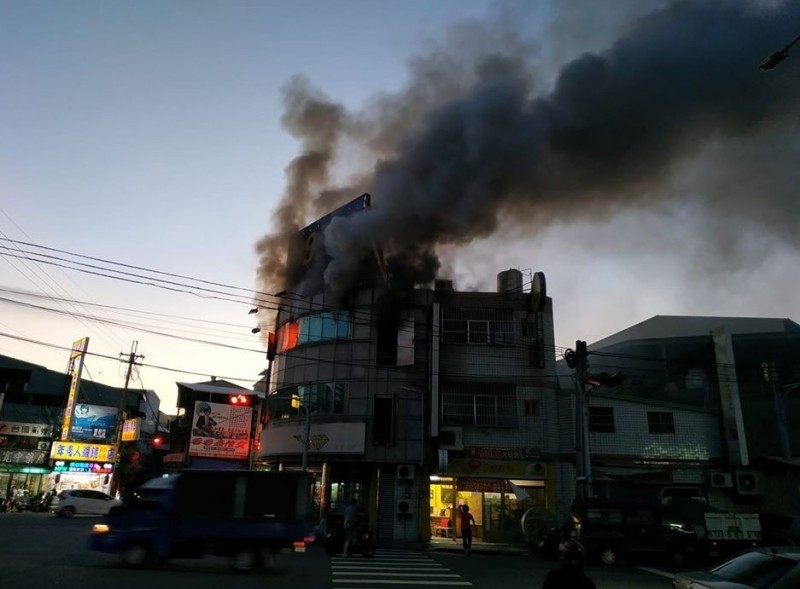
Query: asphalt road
x=38, y=550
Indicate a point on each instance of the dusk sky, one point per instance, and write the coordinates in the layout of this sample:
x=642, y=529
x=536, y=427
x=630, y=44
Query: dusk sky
x=157, y=134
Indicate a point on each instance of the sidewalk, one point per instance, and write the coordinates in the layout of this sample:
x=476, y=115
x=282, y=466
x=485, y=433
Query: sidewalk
x=478, y=547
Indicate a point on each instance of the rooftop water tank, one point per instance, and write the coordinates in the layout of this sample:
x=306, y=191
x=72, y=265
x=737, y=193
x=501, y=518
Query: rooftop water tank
x=509, y=281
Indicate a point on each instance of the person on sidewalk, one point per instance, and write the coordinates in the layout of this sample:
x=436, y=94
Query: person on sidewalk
x=570, y=575
x=466, y=528
x=349, y=524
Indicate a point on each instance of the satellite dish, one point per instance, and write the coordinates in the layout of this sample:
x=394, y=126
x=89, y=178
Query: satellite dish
x=538, y=292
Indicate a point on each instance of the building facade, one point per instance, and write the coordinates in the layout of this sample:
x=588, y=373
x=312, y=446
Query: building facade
x=37, y=451
x=416, y=402
x=706, y=404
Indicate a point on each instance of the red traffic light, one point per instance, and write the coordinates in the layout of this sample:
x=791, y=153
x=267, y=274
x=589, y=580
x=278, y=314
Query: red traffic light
x=158, y=440
x=243, y=400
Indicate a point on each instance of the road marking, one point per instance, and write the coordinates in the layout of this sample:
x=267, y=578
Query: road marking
x=657, y=572
x=405, y=582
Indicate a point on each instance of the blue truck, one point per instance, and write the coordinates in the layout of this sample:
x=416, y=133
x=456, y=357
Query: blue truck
x=247, y=516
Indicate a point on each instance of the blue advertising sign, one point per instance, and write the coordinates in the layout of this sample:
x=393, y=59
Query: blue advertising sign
x=93, y=423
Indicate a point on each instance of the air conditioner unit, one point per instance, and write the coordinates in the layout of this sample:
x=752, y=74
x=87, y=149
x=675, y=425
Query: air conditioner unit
x=405, y=472
x=747, y=483
x=43, y=445
x=451, y=438
x=405, y=507
x=721, y=480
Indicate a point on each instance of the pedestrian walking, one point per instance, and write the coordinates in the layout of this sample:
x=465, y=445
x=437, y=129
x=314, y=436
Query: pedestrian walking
x=349, y=524
x=570, y=575
x=466, y=528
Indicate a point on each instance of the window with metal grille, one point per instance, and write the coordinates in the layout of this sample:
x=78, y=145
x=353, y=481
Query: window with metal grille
x=661, y=422
x=601, y=419
x=478, y=326
x=479, y=404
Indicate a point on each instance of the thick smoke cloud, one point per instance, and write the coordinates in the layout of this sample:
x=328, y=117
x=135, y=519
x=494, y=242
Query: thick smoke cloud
x=477, y=141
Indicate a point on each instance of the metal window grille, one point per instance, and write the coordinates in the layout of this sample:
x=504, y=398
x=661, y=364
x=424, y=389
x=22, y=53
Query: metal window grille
x=601, y=419
x=479, y=404
x=478, y=326
x=661, y=422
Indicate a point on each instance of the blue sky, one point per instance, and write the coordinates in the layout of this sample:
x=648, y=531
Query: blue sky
x=149, y=133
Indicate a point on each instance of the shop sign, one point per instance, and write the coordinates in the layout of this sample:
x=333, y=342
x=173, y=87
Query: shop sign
x=14, y=428
x=507, y=469
x=130, y=429
x=83, y=451
x=220, y=431
x=23, y=456
x=93, y=423
x=507, y=453
x=483, y=485
x=76, y=367
x=90, y=467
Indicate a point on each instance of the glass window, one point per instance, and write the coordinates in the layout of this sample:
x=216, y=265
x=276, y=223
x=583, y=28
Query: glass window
x=601, y=419
x=660, y=422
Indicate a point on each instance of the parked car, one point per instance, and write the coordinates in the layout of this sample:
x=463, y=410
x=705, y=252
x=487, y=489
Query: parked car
x=82, y=501
x=613, y=529
x=763, y=568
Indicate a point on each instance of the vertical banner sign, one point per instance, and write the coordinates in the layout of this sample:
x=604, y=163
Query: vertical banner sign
x=732, y=419
x=76, y=368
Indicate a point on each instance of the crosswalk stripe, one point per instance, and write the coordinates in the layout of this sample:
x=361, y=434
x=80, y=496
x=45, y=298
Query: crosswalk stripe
x=373, y=573
x=405, y=582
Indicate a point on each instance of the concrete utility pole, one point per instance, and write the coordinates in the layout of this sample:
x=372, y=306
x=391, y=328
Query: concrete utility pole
x=583, y=460
x=132, y=357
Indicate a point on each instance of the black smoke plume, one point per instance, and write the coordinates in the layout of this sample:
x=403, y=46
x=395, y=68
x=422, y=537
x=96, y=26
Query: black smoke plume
x=475, y=144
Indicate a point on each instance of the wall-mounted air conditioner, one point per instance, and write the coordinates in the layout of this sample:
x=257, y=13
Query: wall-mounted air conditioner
x=721, y=480
x=451, y=438
x=405, y=472
x=405, y=507
x=747, y=483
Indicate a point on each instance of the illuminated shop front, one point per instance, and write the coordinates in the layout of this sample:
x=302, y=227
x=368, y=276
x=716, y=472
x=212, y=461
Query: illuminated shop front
x=23, y=457
x=498, y=486
x=80, y=465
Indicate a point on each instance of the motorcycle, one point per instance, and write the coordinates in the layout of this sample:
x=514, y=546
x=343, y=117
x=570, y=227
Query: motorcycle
x=363, y=540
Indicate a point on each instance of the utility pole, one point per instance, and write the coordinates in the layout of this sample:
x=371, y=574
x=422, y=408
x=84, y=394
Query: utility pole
x=131, y=361
x=583, y=464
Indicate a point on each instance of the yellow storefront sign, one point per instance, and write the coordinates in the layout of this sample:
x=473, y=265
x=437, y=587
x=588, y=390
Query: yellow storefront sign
x=83, y=451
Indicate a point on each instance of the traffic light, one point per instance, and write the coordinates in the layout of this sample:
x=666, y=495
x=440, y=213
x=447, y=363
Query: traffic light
x=157, y=441
x=242, y=400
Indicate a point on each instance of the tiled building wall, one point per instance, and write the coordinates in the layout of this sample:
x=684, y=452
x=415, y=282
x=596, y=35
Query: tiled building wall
x=696, y=434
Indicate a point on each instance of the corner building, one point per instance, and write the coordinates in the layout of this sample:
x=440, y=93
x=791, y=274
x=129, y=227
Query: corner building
x=417, y=401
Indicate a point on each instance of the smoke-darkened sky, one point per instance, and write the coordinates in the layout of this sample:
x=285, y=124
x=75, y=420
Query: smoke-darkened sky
x=629, y=149
x=661, y=140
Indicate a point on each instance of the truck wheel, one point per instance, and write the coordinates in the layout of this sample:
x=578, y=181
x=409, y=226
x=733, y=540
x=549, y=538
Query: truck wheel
x=608, y=556
x=135, y=554
x=245, y=560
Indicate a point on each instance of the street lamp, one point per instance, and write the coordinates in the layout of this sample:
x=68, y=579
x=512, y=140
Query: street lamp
x=772, y=61
x=297, y=403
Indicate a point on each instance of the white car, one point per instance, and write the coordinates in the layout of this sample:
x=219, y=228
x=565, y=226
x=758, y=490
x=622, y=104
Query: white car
x=763, y=568
x=82, y=501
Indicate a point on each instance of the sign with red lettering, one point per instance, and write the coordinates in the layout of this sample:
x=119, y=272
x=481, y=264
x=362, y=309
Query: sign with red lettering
x=220, y=431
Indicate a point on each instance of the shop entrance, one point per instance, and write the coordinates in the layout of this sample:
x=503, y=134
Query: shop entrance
x=495, y=506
